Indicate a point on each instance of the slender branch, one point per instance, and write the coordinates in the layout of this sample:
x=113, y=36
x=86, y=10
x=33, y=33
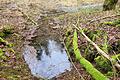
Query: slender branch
x=103, y=18
x=98, y=49
x=73, y=62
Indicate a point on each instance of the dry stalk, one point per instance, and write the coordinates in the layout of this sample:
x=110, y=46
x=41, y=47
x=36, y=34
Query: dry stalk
x=73, y=62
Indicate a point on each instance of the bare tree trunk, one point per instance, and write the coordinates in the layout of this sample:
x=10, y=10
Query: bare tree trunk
x=109, y=4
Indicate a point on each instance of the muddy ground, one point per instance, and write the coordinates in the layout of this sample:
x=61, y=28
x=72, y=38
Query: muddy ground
x=36, y=27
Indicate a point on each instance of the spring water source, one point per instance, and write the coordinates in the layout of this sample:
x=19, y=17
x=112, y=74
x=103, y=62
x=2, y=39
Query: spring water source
x=47, y=64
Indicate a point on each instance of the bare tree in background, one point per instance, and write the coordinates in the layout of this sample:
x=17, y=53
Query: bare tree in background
x=109, y=4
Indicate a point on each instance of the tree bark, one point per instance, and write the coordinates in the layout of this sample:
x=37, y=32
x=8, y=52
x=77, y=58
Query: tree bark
x=109, y=5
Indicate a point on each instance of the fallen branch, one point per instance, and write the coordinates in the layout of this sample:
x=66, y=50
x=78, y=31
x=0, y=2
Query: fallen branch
x=86, y=64
x=97, y=19
x=101, y=52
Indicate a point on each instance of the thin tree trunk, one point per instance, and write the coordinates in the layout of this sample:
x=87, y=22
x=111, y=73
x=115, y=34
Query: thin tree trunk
x=109, y=5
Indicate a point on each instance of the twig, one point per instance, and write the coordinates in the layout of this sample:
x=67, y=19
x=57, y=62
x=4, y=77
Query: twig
x=72, y=62
x=103, y=18
x=114, y=71
x=24, y=14
x=98, y=49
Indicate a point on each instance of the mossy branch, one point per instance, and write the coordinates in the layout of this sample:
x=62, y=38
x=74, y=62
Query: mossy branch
x=86, y=64
x=101, y=52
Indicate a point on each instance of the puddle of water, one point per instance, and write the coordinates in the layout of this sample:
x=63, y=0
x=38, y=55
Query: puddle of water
x=47, y=64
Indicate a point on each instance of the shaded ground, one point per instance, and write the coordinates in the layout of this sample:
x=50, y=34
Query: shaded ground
x=53, y=26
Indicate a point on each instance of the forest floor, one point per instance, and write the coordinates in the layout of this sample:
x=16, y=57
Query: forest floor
x=27, y=28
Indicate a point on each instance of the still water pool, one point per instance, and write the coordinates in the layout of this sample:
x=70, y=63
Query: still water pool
x=47, y=64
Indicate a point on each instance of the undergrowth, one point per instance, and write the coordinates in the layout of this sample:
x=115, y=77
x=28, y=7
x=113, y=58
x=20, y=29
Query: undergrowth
x=113, y=23
x=90, y=53
x=5, y=46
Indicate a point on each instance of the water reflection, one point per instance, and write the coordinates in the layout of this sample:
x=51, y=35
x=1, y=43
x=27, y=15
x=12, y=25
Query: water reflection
x=47, y=65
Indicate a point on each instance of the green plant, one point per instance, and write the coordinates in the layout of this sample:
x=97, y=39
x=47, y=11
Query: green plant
x=113, y=23
x=6, y=46
x=2, y=40
x=86, y=64
x=90, y=52
x=7, y=29
x=1, y=53
x=105, y=45
x=103, y=64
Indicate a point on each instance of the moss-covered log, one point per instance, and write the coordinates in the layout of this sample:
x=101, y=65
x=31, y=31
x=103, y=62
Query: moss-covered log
x=109, y=4
x=85, y=63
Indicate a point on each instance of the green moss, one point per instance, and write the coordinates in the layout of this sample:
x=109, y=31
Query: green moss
x=90, y=69
x=109, y=74
x=10, y=45
x=2, y=40
x=11, y=50
x=86, y=64
x=7, y=46
x=116, y=21
x=7, y=29
x=103, y=64
x=94, y=34
x=109, y=23
x=113, y=23
x=1, y=53
x=13, y=77
x=75, y=46
x=105, y=45
x=116, y=56
x=2, y=34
